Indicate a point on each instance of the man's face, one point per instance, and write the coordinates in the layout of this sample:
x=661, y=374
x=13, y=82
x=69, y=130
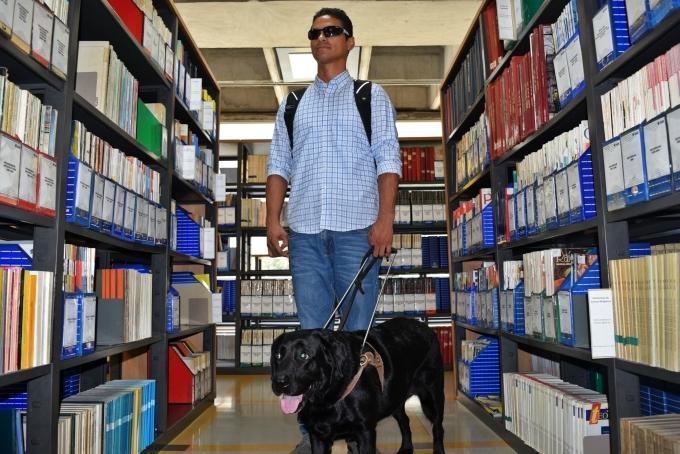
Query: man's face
x=327, y=50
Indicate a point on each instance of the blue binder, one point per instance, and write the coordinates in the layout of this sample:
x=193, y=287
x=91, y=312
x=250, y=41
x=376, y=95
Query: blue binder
x=618, y=20
x=662, y=9
x=77, y=172
x=96, y=202
x=586, y=186
x=640, y=25
x=73, y=313
x=117, y=229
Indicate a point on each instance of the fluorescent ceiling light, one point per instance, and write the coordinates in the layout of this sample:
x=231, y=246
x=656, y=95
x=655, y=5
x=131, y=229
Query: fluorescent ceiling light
x=298, y=65
x=263, y=131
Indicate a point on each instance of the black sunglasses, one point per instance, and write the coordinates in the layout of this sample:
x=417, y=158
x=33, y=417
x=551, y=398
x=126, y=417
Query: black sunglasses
x=328, y=32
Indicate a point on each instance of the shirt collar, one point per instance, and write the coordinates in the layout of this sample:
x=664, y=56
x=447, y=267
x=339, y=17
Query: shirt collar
x=338, y=81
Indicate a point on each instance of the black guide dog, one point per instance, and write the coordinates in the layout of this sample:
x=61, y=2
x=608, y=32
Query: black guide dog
x=311, y=370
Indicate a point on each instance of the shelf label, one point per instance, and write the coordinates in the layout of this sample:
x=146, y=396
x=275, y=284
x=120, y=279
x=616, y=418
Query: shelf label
x=601, y=308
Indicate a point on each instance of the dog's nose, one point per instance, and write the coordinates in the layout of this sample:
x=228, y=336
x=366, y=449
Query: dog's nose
x=282, y=381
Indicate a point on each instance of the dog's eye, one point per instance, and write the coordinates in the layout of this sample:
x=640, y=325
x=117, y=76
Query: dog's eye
x=304, y=356
x=278, y=355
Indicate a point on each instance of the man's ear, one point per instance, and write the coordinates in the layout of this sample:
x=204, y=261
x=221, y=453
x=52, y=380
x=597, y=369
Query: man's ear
x=350, y=43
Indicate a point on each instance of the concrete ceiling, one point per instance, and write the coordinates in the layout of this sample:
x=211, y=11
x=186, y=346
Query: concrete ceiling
x=405, y=45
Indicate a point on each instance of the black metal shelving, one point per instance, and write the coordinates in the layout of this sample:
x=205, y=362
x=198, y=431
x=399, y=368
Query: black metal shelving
x=478, y=329
x=179, y=258
x=96, y=20
x=609, y=231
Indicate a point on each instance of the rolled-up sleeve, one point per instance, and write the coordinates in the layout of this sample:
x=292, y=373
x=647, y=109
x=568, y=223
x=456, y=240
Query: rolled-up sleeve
x=384, y=140
x=280, y=155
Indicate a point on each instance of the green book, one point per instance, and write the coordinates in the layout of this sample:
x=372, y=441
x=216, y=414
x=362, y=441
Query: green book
x=149, y=130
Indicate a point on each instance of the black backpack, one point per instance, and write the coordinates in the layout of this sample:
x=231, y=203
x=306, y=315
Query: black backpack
x=362, y=96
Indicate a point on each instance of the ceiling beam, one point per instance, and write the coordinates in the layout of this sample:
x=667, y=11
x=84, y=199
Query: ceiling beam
x=270, y=116
x=273, y=67
x=365, y=62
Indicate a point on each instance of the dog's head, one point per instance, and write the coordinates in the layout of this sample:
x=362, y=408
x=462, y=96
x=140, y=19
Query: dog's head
x=310, y=365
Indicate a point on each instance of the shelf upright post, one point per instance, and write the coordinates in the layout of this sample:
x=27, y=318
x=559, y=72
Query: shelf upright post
x=623, y=388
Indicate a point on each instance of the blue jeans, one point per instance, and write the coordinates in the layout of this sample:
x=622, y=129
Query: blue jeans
x=323, y=265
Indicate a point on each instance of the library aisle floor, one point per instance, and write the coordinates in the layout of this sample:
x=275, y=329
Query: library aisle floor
x=247, y=418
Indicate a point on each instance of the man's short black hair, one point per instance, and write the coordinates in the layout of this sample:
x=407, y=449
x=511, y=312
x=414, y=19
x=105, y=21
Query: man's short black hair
x=338, y=14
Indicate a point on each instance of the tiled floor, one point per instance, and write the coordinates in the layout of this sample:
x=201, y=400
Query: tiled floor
x=247, y=418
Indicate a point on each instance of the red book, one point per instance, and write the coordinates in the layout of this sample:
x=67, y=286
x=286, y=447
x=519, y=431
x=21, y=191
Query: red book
x=423, y=164
x=131, y=16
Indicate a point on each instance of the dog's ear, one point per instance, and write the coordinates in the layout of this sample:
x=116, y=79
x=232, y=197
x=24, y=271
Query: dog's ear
x=339, y=364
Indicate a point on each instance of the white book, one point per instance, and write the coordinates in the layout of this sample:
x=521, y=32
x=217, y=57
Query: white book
x=130, y=209
x=562, y=192
x=41, y=43
x=28, y=175
x=561, y=63
x=70, y=327
x=119, y=207
x=656, y=149
x=151, y=231
x=673, y=120
x=208, y=242
x=635, y=9
x=97, y=197
x=613, y=173
x=632, y=153
x=89, y=321
x=574, y=183
x=22, y=24
x=108, y=202
x=169, y=62
x=505, y=9
x=10, y=164
x=602, y=28
x=575, y=59
x=60, y=44
x=147, y=36
x=84, y=187
x=47, y=189
x=196, y=91
x=92, y=72
x=6, y=16
x=601, y=310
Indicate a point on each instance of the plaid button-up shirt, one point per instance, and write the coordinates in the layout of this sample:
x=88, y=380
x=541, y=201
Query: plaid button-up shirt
x=332, y=169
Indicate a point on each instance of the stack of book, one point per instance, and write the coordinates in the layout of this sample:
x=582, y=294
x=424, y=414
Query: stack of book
x=25, y=309
x=641, y=434
x=420, y=207
x=466, y=86
x=420, y=164
x=118, y=416
x=655, y=401
x=556, y=283
x=512, y=298
x=445, y=337
x=536, y=85
x=472, y=152
x=268, y=297
x=256, y=345
x=189, y=373
x=479, y=367
x=256, y=168
x=226, y=211
x=38, y=29
x=124, y=208
x=646, y=292
x=434, y=252
x=147, y=27
x=514, y=16
x=552, y=187
x=254, y=213
x=194, y=163
x=476, y=296
x=190, y=90
x=472, y=226
x=107, y=84
x=227, y=258
x=124, y=308
x=412, y=296
x=641, y=123
x=28, y=170
x=551, y=415
x=228, y=297
x=191, y=234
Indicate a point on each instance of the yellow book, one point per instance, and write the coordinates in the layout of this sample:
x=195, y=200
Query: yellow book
x=27, y=303
x=671, y=321
x=614, y=279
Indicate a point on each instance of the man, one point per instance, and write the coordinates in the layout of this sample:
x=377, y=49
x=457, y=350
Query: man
x=343, y=188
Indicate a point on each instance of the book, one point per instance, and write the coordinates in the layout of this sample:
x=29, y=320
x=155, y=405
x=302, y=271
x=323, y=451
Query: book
x=60, y=44
x=22, y=24
x=41, y=41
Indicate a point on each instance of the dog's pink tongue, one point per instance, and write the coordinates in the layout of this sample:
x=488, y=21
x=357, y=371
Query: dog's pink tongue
x=290, y=404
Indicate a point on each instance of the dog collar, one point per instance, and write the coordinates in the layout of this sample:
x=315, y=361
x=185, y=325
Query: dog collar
x=367, y=359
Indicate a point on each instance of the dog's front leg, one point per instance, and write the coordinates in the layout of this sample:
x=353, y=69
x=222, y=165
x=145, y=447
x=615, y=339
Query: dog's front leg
x=365, y=441
x=320, y=446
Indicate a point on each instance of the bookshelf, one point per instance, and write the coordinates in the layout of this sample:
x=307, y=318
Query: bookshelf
x=96, y=20
x=610, y=231
x=244, y=234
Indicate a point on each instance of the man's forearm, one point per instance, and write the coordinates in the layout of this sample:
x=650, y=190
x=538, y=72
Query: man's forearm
x=388, y=186
x=276, y=192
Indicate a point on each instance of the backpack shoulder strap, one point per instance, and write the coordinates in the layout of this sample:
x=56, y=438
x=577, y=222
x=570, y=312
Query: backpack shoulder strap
x=362, y=96
x=292, y=103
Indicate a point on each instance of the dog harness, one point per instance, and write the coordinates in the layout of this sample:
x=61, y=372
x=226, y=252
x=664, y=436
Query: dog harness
x=367, y=359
